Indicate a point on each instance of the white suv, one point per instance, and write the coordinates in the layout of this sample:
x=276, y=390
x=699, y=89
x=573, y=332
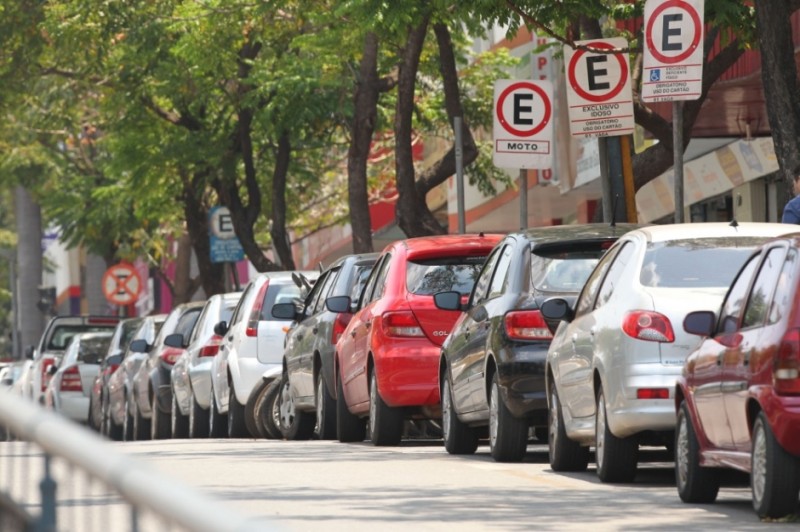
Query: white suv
x=252, y=343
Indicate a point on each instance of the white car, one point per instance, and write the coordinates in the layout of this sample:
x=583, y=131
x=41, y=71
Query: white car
x=615, y=358
x=191, y=374
x=72, y=377
x=252, y=344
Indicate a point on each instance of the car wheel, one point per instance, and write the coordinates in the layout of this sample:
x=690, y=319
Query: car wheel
x=349, y=427
x=160, y=422
x=110, y=429
x=236, y=424
x=695, y=484
x=198, y=420
x=251, y=420
x=141, y=425
x=325, y=426
x=267, y=413
x=179, y=422
x=294, y=424
x=508, y=436
x=774, y=477
x=565, y=454
x=616, y=457
x=217, y=423
x=385, y=422
x=458, y=437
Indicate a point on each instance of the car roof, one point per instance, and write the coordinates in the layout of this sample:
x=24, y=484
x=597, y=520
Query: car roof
x=424, y=245
x=358, y=258
x=689, y=231
x=559, y=233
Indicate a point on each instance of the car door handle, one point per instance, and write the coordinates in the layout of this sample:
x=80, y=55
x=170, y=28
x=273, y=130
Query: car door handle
x=315, y=330
x=353, y=334
x=299, y=336
x=367, y=324
x=746, y=361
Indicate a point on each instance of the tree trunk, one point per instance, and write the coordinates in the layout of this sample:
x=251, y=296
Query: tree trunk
x=364, y=117
x=29, y=267
x=413, y=215
x=779, y=78
x=280, y=239
x=195, y=211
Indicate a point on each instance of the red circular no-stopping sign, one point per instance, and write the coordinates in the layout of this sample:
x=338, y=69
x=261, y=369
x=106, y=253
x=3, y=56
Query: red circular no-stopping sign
x=527, y=87
x=121, y=284
x=696, y=28
x=596, y=97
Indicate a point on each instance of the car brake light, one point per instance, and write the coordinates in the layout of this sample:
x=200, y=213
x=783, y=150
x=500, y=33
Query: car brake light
x=111, y=369
x=71, y=380
x=46, y=363
x=402, y=323
x=787, y=364
x=647, y=325
x=255, y=314
x=212, y=347
x=170, y=355
x=103, y=321
x=339, y=325
x=527, y=325
x=652, y=393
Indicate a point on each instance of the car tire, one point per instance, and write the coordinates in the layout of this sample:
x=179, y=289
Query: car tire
x=695, y=484
x=565, y=454
x=508, y=436
x=179, y=423
x=385, y=423
x=160, y=422
x=267, y=411
x=294, y=424
x=349, y=427
x=198, y=420
x=236, y=424
x=217, y=422
x=141, y=425
x=110, y=429
x=458, y=437
x=775, y=474
x=251, y=421
x=325, y=425
x=90, y=418
x=616, y=458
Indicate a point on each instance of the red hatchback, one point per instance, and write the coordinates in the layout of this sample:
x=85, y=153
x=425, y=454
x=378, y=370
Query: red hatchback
x=738, y=400
x=386, y=362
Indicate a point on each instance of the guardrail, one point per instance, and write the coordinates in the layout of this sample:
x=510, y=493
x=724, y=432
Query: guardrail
x=56, y=475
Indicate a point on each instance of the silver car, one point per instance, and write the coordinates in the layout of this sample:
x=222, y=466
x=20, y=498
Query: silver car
x=618, y=351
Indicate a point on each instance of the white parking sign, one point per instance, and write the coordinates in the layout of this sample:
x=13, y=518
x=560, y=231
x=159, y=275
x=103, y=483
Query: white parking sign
x=523, y=124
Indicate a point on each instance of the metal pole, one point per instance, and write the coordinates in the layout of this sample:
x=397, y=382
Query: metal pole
x=16, y=353
x=605, y=180
x=615, y=179
x=677, y=156
x=523, y=199
x=47, y=489
x=627, y=178
x=462, y=222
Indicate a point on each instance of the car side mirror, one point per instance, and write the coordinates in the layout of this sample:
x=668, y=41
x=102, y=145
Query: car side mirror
x=557, y=309
x=174, y=340
x=448, y=301
x=139, y=346
x=29, y=351
x=700, y=322
x=52, y=369
x=113, y=360
x=284, y=311
x=221, y=328
x=338, y=304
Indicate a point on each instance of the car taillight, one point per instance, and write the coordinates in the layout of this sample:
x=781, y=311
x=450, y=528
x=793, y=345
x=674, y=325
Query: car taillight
x=787, y=364
x=527, y=325
x=401, y=323
x=103, y=321
x=71, y=380
x=170, y=355
x=111, y=369
x=339, y=325
x=652, y=393
x=212, y=347
x=46, y=363
x=255, y=314
x=647, y=325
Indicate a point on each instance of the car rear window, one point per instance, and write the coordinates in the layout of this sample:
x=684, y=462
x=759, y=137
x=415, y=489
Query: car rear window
x=707, y=263
x=563, y=271
x=92, y=350
x=279, y=293
x=63, y=334
x=427, y=277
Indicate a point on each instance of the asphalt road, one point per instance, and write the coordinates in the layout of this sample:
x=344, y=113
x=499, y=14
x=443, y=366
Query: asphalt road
x=317, y=485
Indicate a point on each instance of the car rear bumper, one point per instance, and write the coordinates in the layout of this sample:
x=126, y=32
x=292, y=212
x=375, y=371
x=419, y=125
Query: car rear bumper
x=628, y=415
x=783, y=413
x=75, y=406
x=408, y=375
x=521, y=376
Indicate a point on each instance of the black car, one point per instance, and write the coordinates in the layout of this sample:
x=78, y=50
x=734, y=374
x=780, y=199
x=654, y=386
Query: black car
x=491, y=370
x=307, y=385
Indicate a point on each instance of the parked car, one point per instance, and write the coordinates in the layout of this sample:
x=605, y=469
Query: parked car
x=252, y=344
x=150, y=387
x=491, y=371
x=191, y=374
x=120, y=420
x=738, y=400
x=98, y=396
x=306, y=401
x=614, y=361
x=68, y=390
x=386, y=361
x=57, y=334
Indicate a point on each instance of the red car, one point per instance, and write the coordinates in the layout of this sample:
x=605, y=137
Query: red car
x=386, y=362
x=738, y=401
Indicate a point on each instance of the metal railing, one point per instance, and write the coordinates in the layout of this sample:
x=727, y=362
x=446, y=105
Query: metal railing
x=58, y=476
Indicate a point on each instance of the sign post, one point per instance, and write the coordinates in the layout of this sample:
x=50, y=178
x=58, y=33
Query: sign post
x=121, y=284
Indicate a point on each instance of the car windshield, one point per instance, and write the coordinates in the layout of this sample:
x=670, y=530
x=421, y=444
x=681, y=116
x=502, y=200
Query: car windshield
x=428, y=277
x=707, y=263
x=563, y=272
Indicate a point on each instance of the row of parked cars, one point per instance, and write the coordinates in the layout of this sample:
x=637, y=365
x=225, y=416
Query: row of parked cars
x=683, y=336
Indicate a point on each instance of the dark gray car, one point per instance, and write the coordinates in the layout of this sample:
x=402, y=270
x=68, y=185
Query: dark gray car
x=307, y=386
